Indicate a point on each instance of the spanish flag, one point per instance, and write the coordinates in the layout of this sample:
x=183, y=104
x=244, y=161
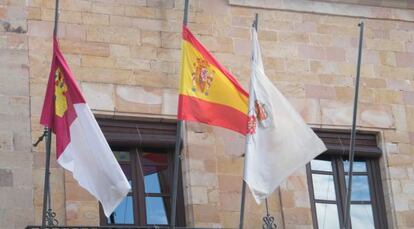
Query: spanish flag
x=80, y=145
x=208, y=92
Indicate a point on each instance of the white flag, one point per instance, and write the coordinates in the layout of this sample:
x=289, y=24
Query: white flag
x=279, y=141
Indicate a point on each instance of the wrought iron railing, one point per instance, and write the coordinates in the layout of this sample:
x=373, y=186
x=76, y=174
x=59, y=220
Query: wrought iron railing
x=113, y=227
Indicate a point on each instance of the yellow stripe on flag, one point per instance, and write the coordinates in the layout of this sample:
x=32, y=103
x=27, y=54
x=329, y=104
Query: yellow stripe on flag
x=202, y=80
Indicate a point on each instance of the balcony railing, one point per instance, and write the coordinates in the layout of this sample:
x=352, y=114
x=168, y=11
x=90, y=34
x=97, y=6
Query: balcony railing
x=114, y=227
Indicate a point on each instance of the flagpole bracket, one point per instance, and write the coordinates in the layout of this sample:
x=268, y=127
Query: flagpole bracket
x=40, y=138
x=269, y=222
x=50, y=218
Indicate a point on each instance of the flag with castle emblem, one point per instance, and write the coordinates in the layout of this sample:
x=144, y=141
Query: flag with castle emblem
x=208, y=92
x=80, y=145
x=278, y=140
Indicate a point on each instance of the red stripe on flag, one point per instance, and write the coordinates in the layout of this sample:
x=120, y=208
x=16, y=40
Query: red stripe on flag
x=60, y=125
x=188, y=36
x=193, y=109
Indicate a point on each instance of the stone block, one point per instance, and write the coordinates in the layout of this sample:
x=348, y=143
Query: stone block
x=336, y=112
x=206, y=214
x=309, y=109
x=104, y=75
x=311, y=52
x=222, y=142
x=112, y=34
x=297, y=65
x=408, y=97
x=97, y=61
x=6, y=178
x=108, y=8
x=99, y=96
x=22, y=197
x=144, y=52
x=230, y=183
x=147, y=78
x=95, y=19
x=230, y=202
x=297, y=216
x=120, y=21
x=141, y=12
x=22, y=177
x=387, y=97
x=320, y=92
x=230, y=165
x=6, y=141
x=168, y=54
x=198, y=178
x=170, y=102
x=152, y=38
x=404, y=59
x=376, y=116
x=293, y=37
x=138, y=99
x=86, y=48
x=134, y=64
x=199, y=195
x=119, y=50
x=384, y=45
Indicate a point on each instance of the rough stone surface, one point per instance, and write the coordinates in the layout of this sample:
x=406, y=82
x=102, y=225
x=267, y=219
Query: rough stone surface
x=126, y=56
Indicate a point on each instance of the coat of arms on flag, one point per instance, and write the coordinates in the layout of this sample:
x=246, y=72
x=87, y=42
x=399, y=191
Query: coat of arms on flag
x=202, y=76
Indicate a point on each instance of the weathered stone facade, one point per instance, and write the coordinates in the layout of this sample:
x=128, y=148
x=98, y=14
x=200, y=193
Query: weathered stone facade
x=126, y=57
x=16, y=160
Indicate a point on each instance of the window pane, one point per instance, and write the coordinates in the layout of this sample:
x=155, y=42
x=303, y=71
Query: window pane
x=360, y=188
x=154, y=159
x=361, y=216
x=152, y=183
x=156, y=212
x=124, y=213
x=323, y=186
x=327, y=215
x=358, y=166
x=321, y=165
x=122, y=156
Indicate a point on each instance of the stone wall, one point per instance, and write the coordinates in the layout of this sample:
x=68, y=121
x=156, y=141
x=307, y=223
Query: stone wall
x=126, y=56
x=16, y=189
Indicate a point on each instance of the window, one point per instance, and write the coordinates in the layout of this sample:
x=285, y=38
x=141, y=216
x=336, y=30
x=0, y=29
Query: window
x=328, y=178
x=145, y=152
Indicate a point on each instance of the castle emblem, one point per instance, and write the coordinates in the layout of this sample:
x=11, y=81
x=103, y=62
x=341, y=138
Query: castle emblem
x=261, y=116
x=202, y=77
x=61, y=88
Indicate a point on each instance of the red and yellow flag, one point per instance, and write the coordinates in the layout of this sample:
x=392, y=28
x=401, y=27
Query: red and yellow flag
x=208, y=92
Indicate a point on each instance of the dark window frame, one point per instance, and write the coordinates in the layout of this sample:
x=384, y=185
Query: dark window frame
x=367, y=151
x=137, y=137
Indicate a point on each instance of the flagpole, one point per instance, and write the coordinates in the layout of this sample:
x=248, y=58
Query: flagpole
x=48, y=134
x=243, y=194
x=177, y=153
x=347, y=218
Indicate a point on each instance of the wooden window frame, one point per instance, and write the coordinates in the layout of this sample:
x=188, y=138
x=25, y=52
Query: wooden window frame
x=367, y=151
x=137, y=137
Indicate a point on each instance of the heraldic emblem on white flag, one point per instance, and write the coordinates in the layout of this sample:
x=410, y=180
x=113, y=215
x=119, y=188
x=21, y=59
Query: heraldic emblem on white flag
x=278, y=141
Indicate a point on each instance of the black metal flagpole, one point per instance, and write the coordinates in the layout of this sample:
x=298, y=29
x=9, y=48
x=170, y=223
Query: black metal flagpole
x=347, y=217
x=243, y=194
x=48, y=135
x=177, y=154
